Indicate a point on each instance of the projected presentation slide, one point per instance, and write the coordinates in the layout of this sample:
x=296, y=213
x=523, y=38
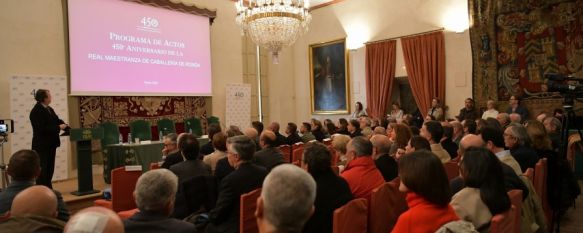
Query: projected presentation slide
x=125, y=48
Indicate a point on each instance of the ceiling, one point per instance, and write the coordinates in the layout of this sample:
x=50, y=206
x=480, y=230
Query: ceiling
x=314, y=3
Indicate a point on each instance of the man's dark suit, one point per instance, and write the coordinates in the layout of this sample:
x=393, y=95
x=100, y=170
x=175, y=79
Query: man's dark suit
x=511, y=181
x=280, y=139
x=189, y=169
x=293, y=139
x=387, y=166
x=268, y=158
x=224, y=218
x=332, y=192
x=207, y=149
x=223, y=169
x=525, y=156
x=172, y=159
x=145, y=222
x=8, y=194
x=45, y=140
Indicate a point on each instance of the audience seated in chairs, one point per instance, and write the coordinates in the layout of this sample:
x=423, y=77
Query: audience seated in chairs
x=484, y=195
x=416, y=143
x=269, y=156
x=155, y=194
x=342, y=126
x=257, y=125
x=517, y=140
x=306, y=131
x=170, y=145
x=383, y=161
x=332, y=191
x=95, y=220
x=470, y=127
x=274, y=126
x=192, y=166
x=174, y=156
x=339, y=142
x=220, y=145
x=515, y=118
x=292, y=134
x=318, y=130
x=425, y=183
x=433, y=132
x=516, y=108
x=361, y=173
x=494, y=140
x=246, y=177
x=399, y=134
x=354, y=128
x=469, y=111
x=233, y=131
x=286, y=201
x=553, y=127
x=208, y=148
x=24, y=168
x=511, y=180
x=253, y=134
x=447, y=142
x=504, y=119
x=33, y=210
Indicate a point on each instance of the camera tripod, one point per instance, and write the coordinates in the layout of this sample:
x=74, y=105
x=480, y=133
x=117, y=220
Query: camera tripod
x=3, y=174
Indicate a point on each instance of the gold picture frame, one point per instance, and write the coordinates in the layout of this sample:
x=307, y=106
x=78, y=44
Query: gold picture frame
x=329, y=78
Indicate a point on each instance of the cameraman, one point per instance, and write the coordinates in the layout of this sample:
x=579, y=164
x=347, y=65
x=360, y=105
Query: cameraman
x=46, y=126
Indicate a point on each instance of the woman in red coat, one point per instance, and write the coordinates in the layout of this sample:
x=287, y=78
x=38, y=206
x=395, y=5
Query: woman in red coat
x=424, y=180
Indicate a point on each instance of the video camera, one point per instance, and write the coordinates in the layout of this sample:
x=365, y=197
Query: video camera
x=565, y=84
x=5, y=128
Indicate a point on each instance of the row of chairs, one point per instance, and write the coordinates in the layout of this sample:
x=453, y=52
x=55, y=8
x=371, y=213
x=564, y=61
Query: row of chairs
x=143, y=129
x=293, y=154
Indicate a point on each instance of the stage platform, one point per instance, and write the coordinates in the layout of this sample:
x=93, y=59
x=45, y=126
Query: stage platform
x=76, y=203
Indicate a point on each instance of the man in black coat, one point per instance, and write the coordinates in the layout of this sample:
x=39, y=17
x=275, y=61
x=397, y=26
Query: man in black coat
x=385, y=163
x=155, y=193
x=46, y=126
x=292, y=134
x=224, y=218
x=171, y=152
x=281, y=140
x=208, y=148
x=269, y=156
x=332, y=191
x=192, y=166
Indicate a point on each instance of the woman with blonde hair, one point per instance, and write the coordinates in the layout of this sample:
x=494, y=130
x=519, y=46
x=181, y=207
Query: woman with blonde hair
x=339, y=142
x=539, y=137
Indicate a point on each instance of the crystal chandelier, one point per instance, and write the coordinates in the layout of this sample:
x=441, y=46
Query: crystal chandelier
x=273, y=24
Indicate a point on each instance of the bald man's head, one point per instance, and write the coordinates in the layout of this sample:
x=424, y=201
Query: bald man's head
x=381, y=144
x=95, y=220
x=36, y=200
x=267, y=139
x=470, y=140
x=274, y=126
x=250, y=133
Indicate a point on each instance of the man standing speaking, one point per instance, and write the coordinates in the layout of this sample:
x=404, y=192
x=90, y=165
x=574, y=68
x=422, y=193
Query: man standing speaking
x=46, y=126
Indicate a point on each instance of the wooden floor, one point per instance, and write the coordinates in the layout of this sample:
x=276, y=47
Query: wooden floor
x=573, y=220
x=76, y=203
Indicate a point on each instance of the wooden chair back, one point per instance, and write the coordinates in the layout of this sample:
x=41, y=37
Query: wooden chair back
x=247, y=219
x=351, y=218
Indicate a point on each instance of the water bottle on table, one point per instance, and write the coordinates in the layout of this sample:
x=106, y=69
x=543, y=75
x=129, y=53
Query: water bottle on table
x=130, y=140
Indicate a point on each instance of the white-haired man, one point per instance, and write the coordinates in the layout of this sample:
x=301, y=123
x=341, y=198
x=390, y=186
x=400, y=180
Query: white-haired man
x=286, y=201
x=155, y=194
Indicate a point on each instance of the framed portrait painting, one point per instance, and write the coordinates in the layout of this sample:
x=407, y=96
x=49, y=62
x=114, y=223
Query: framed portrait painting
x=329, y=78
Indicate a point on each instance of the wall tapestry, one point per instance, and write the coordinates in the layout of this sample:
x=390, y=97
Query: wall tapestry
x=516, y=42
x=122, y=110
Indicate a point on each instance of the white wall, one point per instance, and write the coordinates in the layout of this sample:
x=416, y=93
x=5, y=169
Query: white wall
x=360, y=21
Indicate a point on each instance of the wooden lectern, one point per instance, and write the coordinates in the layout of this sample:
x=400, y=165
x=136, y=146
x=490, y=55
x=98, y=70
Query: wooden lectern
x=83, y=138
